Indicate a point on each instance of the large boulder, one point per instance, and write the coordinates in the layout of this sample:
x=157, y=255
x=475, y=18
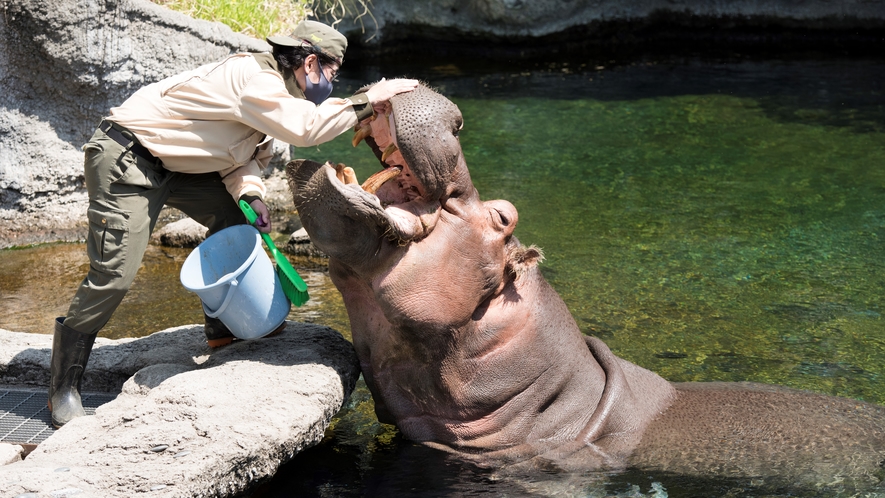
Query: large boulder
x=187, y=421
x=63, y=65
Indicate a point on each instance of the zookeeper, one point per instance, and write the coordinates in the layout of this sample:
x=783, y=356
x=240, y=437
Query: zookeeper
x=197, y=141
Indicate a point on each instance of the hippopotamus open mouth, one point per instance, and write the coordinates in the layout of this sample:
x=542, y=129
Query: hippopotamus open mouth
x=423, y=172
x=424, y=156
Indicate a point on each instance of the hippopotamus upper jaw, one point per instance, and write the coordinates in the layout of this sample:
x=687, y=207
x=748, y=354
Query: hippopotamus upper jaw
x=421, y=134
x=429, y=139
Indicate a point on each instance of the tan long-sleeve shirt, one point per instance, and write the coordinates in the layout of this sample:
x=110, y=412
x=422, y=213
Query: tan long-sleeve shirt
x=222, y=117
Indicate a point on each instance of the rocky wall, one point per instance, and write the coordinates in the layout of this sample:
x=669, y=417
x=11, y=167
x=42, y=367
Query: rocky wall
x=64, y=64
x=524, y=21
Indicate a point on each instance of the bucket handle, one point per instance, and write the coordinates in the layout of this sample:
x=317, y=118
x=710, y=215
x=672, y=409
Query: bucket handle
x=227, y=298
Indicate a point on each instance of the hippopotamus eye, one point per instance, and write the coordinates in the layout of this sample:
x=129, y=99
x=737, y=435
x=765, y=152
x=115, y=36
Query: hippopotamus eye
x=499, y=218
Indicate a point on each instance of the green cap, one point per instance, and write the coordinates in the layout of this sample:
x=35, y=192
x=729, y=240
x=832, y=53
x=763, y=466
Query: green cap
x=326, y=38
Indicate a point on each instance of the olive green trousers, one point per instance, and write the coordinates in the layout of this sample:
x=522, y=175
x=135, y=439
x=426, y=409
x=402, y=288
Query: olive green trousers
x=126, y=194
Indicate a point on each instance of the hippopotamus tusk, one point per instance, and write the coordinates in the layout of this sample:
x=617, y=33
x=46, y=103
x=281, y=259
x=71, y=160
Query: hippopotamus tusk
x=388, y=152
x=361, y=133
x=374, y=182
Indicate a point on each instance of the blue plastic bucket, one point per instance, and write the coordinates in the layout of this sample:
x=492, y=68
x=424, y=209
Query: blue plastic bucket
x=236, y=282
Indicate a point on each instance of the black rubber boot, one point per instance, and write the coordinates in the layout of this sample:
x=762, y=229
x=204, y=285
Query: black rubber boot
x=70, y=353
x=217, y=333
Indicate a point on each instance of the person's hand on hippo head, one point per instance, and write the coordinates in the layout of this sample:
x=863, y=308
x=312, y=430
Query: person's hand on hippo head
x=380, y=93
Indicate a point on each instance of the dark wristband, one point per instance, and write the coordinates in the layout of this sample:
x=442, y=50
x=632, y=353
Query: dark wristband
x=250, y=197
x=362, y=106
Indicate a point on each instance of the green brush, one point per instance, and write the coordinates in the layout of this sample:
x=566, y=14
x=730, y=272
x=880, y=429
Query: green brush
x=293, y=286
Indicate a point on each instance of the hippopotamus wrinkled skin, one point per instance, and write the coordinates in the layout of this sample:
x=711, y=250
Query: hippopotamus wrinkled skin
x=466, y=347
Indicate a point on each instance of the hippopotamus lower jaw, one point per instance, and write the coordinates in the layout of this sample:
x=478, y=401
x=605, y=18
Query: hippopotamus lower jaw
x=349, y=223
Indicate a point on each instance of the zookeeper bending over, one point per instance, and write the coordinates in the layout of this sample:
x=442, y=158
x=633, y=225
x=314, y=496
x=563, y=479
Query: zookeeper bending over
x=197, y=141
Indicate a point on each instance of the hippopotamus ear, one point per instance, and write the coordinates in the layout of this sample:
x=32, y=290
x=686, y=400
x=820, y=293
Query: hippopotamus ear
x=521, y=259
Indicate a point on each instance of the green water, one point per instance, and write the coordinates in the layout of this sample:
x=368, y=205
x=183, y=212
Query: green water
x=701, y=237
x=708, y=221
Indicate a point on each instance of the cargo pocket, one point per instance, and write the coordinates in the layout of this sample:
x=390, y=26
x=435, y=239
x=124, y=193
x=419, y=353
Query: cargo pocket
x=106, y=246
x=244, y=151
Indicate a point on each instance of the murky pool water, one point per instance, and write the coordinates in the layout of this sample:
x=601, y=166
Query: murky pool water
x=709, y=220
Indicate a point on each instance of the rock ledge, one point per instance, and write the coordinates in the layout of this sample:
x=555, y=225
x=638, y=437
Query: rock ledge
x=188, y=421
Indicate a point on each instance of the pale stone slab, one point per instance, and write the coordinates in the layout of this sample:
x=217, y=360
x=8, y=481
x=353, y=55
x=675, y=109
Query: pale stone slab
x=189, y=421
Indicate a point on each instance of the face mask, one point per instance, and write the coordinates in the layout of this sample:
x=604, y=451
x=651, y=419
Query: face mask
x=319, y=92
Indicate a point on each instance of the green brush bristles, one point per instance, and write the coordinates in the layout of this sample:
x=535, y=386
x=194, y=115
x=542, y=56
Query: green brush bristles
x=295, y=295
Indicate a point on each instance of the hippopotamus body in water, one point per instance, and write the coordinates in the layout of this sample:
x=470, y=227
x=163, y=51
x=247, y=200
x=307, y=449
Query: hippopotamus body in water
x=466, y=347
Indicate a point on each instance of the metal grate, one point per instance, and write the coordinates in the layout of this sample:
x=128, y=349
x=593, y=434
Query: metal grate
x=24, y=416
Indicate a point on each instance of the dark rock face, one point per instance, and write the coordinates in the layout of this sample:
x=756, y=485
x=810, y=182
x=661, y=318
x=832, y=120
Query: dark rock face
x=63, y=66
x=520, y=27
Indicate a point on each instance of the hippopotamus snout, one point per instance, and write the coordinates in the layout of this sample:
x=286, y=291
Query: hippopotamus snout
x=424, y=143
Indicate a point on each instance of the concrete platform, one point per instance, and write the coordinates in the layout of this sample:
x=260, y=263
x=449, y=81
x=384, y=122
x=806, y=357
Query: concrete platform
x=25, y=418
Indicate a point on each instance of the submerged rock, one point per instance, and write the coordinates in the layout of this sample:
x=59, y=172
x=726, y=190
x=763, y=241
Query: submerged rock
x=228, y=418
x=299, y=244
x=182, y=233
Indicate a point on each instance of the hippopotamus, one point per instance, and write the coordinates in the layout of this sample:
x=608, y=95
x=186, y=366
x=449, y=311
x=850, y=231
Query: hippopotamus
x=466, y=347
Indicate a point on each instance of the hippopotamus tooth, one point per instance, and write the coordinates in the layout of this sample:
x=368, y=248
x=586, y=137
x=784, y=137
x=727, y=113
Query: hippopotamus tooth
x=362, y=132
x=374, y=182
x=390, y=149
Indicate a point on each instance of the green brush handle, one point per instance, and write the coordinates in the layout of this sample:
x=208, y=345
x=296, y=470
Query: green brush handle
x=250, y=213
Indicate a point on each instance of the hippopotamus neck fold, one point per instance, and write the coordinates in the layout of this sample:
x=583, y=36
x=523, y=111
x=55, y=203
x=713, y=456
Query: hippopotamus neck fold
x=632, y=399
